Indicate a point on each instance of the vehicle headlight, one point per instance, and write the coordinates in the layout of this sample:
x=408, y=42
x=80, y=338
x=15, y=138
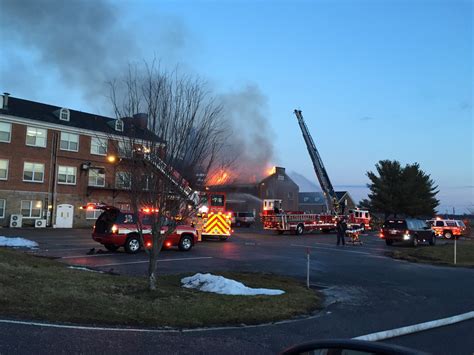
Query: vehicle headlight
x=406, y=236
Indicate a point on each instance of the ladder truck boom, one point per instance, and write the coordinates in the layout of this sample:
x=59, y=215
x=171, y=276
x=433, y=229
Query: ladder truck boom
x=319, y=169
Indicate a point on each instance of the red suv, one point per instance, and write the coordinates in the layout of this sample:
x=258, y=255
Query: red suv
x=114, y=229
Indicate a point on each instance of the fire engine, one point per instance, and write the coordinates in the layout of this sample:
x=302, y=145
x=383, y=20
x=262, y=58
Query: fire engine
x=213, y=220
x=274, y=218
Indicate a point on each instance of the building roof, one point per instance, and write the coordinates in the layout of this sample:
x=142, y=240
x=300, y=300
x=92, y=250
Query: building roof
x=50, y=114
x=317, y=198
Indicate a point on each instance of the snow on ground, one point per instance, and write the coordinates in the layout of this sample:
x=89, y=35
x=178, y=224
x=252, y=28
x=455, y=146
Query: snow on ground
x=223, y=286
x=17, y=242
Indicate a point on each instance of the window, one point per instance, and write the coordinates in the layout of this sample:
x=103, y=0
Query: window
x=122, y=180
x=96, y=177
x=31, y=209
x=3, y=169
x=2, y=208
x=124, y=206
x=119, y=125
x=124, y=149
x=33, y=172
x=36, y=137
x=93, y=214
x=439, y=224
x=451, y=224
x=5, y=132
x=67, y=175
x=64, y=114
x=98, y=146
x=69, y=141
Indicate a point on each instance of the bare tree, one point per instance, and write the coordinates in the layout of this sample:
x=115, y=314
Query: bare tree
x=172, y=129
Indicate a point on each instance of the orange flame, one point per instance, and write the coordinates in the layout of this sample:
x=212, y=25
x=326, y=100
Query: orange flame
x=220, y=177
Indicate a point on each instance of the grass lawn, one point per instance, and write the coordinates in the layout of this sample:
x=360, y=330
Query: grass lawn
x=37, y=288
x=438, y=254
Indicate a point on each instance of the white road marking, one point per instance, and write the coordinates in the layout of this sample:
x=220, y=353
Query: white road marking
x=393, y=333
x=93, y=255
x=332, y=249
x=162, y=260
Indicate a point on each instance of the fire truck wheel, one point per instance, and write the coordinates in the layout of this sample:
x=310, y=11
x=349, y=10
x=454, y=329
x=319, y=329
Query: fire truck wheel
x=299, y=229
x=111, y=247
x=448, y=234
x=186, y=243
x=132, y=245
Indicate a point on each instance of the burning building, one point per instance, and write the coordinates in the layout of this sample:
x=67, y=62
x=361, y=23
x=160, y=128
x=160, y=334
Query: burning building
x=249, y=196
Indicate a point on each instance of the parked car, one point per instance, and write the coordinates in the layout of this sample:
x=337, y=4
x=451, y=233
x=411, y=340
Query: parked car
x=408, y=230
x=448, y=228
x=244, y=219
x=114, y=229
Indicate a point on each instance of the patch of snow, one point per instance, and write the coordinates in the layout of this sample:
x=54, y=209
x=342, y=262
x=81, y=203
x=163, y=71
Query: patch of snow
x=224, y=286
x=17, y=242
x=83, y=269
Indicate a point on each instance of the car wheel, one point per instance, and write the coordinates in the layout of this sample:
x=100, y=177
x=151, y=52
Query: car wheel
x=448, y=234
x=388, y=241
x=132, y=245
x=186, y=243
x=111, y=247
x=433, y=239
x=299, y=229
x=414, y=242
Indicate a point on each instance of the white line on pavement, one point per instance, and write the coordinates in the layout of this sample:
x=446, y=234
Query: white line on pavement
x=392, y=333
x=332, y=249
x=93, y=255
x=162, y=260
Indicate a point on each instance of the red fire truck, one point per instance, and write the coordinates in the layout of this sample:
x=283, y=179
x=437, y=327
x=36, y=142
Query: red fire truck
x=213, y=219
x=274, y=218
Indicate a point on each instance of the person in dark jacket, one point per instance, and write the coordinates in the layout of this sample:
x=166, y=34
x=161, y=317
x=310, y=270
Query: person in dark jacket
x=341, y=228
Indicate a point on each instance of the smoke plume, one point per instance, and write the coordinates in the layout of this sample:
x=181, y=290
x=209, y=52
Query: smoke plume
x=251, y=139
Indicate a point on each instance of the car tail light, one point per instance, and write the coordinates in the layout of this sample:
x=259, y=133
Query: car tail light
x=114, y=229
x=381, y=235
x=168, y=244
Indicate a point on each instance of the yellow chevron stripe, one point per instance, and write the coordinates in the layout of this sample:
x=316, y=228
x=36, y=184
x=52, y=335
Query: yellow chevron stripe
x=217, y=225
x=219, y=217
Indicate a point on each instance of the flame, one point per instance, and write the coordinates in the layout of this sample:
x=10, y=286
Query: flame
x=271, y=171
x=220, y=177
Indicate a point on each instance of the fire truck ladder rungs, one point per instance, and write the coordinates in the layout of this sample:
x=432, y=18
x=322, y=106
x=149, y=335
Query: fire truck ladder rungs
x=318, y=165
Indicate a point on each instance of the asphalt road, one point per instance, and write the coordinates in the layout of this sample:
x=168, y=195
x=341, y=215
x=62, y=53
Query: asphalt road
x=366, y=292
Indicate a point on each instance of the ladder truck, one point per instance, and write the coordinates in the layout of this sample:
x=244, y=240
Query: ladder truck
x=210, y=217
x=274, y=218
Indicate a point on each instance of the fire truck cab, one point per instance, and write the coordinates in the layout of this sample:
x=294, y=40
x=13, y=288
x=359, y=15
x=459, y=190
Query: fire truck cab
x=271, y=206
x=359, y=218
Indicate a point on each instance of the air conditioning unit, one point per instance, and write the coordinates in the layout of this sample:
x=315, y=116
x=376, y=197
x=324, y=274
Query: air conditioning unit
x=40, y=223
x=16, y=220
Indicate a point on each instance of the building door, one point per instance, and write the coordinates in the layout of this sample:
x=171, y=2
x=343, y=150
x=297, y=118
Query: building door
x=64, y=216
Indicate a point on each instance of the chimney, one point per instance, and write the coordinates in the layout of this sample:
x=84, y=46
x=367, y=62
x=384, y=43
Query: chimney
x=5, y=100
x=279, y=170
x=140, y=120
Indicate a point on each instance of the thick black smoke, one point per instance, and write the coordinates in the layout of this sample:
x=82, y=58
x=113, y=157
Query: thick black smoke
x=251, y=141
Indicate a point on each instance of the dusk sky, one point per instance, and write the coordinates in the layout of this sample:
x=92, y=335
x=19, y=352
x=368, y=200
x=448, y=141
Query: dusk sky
x=374, y=79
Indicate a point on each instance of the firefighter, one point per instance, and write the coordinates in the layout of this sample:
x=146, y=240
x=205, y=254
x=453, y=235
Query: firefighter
x=341, y=228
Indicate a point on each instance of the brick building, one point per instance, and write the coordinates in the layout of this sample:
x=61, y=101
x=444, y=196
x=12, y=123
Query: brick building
x=54, y=160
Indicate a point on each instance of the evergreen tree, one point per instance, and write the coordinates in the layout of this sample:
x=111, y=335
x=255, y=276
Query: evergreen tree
x=396, y=190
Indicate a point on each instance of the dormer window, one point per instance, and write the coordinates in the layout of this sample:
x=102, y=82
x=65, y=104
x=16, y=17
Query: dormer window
x=119, y=125
x=64, y=114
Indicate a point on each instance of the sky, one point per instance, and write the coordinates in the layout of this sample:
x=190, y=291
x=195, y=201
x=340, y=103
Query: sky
x=374, y=79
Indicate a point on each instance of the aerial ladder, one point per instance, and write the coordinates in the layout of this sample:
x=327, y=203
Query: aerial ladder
x=332, y=204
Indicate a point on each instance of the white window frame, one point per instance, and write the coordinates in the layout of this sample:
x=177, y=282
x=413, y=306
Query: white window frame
x=66, y=113
x=6, y=175
x=9, y=131
x=36, y=129
x=95, y=177
x=4, y=207
x=31, y=202
x=97, y=143
x=68, y=140
x=33, y=172
x=95, y=214
x=119, y=125
x=69, y=169
x=117, y=180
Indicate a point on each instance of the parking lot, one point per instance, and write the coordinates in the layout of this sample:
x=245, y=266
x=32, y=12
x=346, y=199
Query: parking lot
x=365, y=290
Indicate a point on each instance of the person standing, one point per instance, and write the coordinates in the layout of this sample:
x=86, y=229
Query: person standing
x=341, y=228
